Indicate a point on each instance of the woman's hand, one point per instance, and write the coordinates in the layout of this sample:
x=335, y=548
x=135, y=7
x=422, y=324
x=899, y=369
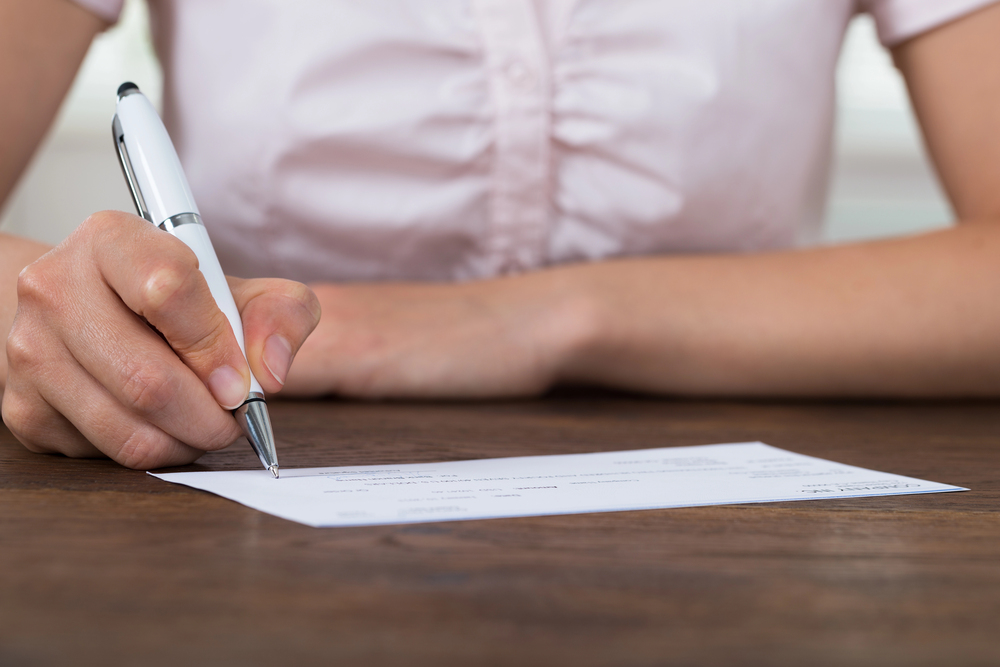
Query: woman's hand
x=87, y=373
x=506, y=337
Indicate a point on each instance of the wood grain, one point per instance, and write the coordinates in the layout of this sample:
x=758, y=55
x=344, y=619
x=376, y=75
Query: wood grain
x=102, y=565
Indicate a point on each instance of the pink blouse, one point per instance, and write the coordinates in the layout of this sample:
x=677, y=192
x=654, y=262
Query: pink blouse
x=460, y=139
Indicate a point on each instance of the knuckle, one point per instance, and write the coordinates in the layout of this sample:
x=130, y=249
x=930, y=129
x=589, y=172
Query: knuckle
x=142, y=449
x=103, y=222
x=219, y=438
x=22, y=353
x=209, y=347
x=12, y=410
x=21, y=417
x=164, y=281
x=35, y=284
x=96, y=228
x=296, y=290
x=311, y=303
x=32, y=352
x=149, y=390
x=303, y=296
x=95, y=223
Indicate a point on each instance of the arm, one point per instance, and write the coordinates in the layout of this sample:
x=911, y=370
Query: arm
x=84, y=374
x=42, y=43
x=916, y=316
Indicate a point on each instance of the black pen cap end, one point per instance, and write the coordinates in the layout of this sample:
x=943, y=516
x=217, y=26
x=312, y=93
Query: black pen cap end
x=125, y=87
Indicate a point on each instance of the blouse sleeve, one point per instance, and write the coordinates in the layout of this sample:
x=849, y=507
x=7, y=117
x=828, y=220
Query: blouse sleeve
x=899, y=20
x=109, y=10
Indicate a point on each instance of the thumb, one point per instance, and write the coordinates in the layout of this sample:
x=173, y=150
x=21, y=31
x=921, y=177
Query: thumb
x=278, y=315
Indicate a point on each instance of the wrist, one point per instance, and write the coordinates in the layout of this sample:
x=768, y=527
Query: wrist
x=566, y=321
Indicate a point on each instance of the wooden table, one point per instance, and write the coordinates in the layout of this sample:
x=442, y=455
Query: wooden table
x=102, y=565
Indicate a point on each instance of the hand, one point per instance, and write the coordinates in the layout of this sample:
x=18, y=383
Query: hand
x=507, y=337
x=88, y=376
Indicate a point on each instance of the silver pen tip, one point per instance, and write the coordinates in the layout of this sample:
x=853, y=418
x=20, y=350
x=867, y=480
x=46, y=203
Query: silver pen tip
x=256, y=424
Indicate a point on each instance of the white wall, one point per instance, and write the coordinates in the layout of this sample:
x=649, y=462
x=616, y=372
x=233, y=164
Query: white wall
x=882, y=184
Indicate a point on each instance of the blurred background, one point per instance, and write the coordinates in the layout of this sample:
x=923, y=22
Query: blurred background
x=882, y=182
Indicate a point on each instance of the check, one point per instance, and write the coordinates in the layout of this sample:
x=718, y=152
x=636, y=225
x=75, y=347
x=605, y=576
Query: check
x=537, y=485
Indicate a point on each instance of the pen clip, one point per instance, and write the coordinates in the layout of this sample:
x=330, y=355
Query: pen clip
x=126, y=164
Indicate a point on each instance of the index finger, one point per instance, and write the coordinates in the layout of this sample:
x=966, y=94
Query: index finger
x=159, y=279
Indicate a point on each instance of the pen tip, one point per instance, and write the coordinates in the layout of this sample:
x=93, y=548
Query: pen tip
x=274, y=471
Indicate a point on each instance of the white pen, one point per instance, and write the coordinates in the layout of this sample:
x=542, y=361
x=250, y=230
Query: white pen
x=162, y=196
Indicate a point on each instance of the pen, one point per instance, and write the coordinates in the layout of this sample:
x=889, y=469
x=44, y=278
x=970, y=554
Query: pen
x=163, y=197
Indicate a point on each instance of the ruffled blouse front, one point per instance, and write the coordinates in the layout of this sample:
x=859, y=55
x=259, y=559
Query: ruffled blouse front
x=461, y=139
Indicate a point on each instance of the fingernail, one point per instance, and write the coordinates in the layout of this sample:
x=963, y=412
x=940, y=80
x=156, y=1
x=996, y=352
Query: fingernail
x=278, y=356
x=228, y=387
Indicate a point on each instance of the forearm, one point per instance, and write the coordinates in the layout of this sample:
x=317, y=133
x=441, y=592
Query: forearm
x=917, y=316
x=42, y=43
x=15, y=254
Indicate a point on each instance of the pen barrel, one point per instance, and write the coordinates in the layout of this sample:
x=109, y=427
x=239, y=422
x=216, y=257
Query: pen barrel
x=154, y=162
x=195, y=236
x=162, y=188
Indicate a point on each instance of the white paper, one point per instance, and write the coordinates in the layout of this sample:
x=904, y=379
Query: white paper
x=537, y=485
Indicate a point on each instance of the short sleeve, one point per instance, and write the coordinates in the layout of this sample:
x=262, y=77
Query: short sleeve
x=109, y=10
x=899, y=20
